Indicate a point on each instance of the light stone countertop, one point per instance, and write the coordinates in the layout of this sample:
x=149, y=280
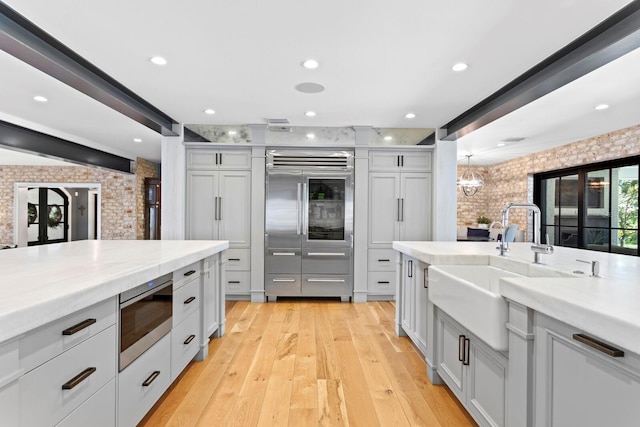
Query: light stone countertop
x=607, y=307
x=39, y=284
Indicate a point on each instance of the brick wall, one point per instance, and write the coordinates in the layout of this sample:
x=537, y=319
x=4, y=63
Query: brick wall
x=144, y=169
x=512, y=181
x=120, y=195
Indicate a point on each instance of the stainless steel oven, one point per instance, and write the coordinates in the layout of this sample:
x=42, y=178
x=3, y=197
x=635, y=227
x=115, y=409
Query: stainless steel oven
x=145, y=317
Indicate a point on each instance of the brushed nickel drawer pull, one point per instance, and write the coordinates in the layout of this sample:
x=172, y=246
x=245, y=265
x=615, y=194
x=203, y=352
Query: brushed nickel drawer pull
x=326, y=280
x=284, y=254
x=327, y=254
x=189, y=300
x=188, y=340
x=78, y=378
x=189, y=273
x=80, y=326
x=151, y=379
x=599, y=345
x=284, y=280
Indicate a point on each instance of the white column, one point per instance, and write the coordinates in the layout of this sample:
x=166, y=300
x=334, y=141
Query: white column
x=360, y=215
x=445, y=202
x=258, y=136
x=174, y=187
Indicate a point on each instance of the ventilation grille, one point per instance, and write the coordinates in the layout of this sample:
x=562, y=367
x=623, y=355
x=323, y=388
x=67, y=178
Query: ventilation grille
x=339, y=160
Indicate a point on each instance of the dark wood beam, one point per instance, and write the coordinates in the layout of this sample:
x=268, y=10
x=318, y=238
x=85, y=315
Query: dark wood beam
x=30, y=141
x=611, y=39
x=21, y=38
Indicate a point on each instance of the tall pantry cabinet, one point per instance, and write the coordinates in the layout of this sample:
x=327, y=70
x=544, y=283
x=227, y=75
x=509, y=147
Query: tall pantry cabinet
x=400, y=208
x=219, y=208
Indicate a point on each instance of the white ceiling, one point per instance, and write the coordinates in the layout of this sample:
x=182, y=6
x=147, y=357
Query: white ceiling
x=242, y=58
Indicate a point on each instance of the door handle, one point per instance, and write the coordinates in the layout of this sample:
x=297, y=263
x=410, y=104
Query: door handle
x=398, y=215
x=284, y=280
x=598, y=345
x=326, y=254
x=461, y=339
x=215, y=209
x=402, y=207
x=426, y=277
x=220, y=207
x=410, y=268
x=284, y=254
x=298, y=201
x=467, y=345
x=305, y=208
x=325, y=280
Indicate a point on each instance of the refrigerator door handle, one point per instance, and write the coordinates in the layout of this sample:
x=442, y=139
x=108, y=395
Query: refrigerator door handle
x=305, y=208
x=318, y=280
x=298, y=201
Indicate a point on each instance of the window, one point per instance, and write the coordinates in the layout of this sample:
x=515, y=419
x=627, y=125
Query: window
x=592, y=207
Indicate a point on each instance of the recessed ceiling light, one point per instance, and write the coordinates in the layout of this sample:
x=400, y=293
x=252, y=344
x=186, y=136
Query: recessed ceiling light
x=137, y=140
x=311, y=136
x=601, y=106
x=209, y=111
x=410, y=116
x=460, y=66
x=311, y=64
x=501, y=144
x=388, y=138
x=232, y=132
x=158, y=60
x=310, y=113
x=40, y=98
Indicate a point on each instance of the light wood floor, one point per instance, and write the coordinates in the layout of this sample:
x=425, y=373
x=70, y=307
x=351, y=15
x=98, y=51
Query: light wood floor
x=307, y=363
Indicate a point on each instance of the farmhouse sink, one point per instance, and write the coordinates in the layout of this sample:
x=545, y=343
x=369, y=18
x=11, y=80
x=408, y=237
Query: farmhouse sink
x=470, y=294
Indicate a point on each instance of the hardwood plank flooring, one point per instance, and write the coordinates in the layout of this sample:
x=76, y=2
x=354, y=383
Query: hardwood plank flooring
x=308, y=363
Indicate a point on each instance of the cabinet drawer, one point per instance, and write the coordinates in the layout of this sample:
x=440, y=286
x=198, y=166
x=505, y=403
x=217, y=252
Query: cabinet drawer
x=52, y=339
x=382, y=260
x=320, y=260
x=43, y=386
x=286, y=285
x=142, y=383
x=389, y=161
x=185, y=274
x=317, y=285
x=186, y=300
x=185, y=340
x=382, y=282
x=238, y=259
x=98, y=411
x=238, y=282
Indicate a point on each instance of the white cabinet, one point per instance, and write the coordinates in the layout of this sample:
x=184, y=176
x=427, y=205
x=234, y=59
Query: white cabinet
x=404, y=160
x=97, y=411
x=474, y=372
x=399, y=207
x=212, y=300
x=413, y=295
x=582, y=380
x=142, y=383
x=210, y=159
x=219, y=206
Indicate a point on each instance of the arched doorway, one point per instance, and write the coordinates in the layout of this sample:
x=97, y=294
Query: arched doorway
x=47, y=213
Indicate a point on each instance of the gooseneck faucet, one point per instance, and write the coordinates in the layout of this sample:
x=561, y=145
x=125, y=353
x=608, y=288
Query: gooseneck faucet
x=537, y=247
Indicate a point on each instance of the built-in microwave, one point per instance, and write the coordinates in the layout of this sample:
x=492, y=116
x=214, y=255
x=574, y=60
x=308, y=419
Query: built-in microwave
x=145, y=317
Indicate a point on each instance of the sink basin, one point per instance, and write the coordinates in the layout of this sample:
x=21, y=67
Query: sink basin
x=470, y=294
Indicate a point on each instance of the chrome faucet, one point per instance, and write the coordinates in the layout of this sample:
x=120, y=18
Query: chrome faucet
x=501, y=232
x=537, y=247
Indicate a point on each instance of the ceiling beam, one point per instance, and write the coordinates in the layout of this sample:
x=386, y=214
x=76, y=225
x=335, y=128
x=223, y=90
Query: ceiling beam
x=21, y=38
x=611, y=39
x=34, y=142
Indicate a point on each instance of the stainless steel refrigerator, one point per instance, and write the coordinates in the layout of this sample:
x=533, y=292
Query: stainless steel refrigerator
x=309, y=224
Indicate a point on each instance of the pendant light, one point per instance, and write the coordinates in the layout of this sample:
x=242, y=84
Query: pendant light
x=470, y=182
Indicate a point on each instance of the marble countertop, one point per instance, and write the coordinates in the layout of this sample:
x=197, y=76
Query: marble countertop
x=607, y=307
x=43, y=283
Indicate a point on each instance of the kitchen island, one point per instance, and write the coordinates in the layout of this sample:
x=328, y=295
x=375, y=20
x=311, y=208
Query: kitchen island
x=59, y=312
x=572, y=352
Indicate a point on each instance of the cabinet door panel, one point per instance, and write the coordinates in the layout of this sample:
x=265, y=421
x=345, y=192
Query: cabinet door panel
x=234, y=159
x=235, y=200
x=416, y=206
x=450, y=368
x=408, y=293
x=384, y=192
x=420, y=306
x=487, y=383
x=201, y=205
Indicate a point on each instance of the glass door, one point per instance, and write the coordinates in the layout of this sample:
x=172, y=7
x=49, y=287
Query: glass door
x=326, y=209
